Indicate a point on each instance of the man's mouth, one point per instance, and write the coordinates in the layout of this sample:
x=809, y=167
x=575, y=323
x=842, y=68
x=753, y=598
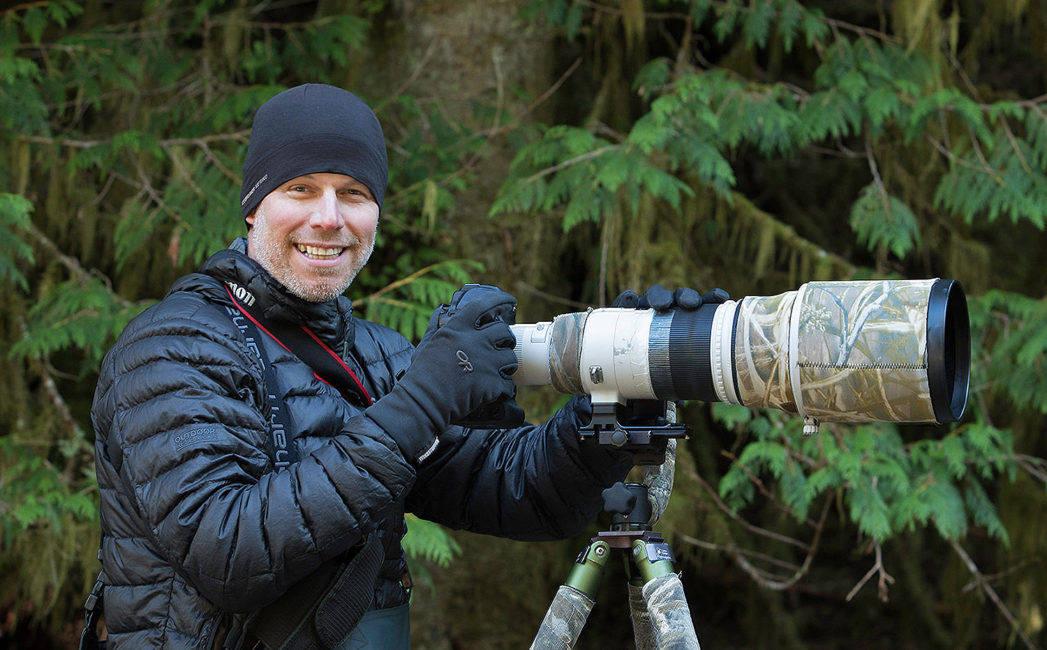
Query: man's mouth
x=320, y=252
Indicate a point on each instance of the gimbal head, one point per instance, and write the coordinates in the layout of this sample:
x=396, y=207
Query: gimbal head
x=641, y=427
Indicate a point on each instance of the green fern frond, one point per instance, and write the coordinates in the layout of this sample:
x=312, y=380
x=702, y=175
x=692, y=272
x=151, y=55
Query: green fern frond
x=983, y=512
x=14, y=219
x=424, y=539
x=407, y=304
x=879, y=219
x=83, y=315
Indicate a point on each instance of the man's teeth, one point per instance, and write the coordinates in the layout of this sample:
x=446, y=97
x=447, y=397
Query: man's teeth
x=316, y=251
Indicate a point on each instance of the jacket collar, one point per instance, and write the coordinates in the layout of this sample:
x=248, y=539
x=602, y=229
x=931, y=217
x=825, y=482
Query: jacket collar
x=331, y=320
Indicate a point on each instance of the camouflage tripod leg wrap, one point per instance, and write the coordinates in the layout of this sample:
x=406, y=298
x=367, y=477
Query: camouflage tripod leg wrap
x=670, y=617
x=564, y=620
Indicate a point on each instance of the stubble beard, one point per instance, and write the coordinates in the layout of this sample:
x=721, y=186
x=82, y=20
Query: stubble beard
x=324, y=284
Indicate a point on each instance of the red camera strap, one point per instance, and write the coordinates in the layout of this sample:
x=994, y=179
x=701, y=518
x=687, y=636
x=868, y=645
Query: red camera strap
x=302, y=342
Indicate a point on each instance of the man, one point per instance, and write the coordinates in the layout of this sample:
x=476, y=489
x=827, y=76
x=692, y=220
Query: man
x=233, y=473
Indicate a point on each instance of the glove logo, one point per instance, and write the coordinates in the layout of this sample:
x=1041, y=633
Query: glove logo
x=463, y=362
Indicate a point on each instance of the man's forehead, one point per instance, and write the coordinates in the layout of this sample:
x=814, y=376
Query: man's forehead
x=328, y=177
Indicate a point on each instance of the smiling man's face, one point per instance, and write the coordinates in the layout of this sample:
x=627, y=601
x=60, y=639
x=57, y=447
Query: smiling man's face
x=314, y=233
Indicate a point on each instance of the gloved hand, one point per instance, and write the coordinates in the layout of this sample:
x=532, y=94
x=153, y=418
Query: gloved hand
x=464, y=361
x=661, y=299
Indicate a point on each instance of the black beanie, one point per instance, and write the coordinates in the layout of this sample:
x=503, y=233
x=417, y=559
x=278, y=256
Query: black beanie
x=311, y=129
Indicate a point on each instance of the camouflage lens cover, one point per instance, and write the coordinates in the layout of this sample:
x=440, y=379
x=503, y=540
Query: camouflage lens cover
x=838, y=351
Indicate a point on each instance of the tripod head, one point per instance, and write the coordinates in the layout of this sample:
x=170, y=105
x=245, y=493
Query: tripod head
x=648, y=429
x=629, y=506
x=642, y=427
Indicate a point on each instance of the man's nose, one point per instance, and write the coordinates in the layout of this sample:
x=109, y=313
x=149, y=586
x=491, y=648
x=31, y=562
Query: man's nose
x=325, y=212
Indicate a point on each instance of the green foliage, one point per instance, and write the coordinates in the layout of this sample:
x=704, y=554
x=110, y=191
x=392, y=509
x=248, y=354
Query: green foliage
x=1017, y=325
x=1002, y=176
x=48, y=510
x=407, y=305
x=84, y=315
x=879, y=219
x=889, y=486
x=21, y=99
x=430, y=541
x=36, y=493
x=591, y=175
x=698, y=119
x=14, y=218
x=431, y=165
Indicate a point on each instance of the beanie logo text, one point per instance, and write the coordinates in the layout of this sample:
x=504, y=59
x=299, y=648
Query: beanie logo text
x=260, y=181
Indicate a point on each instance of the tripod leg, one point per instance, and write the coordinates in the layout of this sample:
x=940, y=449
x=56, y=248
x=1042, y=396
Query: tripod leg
x=643, y=631
x=570, y=608
x=670, y=616
x=564, y=620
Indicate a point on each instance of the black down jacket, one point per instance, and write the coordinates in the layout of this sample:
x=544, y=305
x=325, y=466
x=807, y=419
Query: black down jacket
x=197, y=524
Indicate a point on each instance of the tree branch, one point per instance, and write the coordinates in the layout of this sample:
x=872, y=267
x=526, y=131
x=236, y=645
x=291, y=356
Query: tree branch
x=71, y=263
x=396, y=285
x=520, y=285
x=25, y=5
x=884, y=580
x=410, y=79
x=761, y=577
x=763, y=532
x=991, y=593
x=240, y=136
x=755, y=480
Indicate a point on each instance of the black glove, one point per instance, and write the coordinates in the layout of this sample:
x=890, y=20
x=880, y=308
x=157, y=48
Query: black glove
x=503, y=412
x=661, y=299
x=464, y=361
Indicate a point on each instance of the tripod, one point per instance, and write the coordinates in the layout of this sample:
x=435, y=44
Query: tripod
x=660, y=615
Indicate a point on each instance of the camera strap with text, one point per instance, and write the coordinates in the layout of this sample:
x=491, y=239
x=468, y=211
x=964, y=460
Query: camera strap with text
x=300, y=341
x=322, y=609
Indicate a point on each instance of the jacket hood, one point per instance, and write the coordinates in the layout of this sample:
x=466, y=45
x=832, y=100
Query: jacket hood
x=330, y=320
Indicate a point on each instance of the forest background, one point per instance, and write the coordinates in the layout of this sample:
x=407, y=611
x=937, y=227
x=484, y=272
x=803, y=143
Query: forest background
x=566, y=150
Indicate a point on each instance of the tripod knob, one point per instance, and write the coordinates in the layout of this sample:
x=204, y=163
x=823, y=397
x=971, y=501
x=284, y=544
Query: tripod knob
x=628, y=504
